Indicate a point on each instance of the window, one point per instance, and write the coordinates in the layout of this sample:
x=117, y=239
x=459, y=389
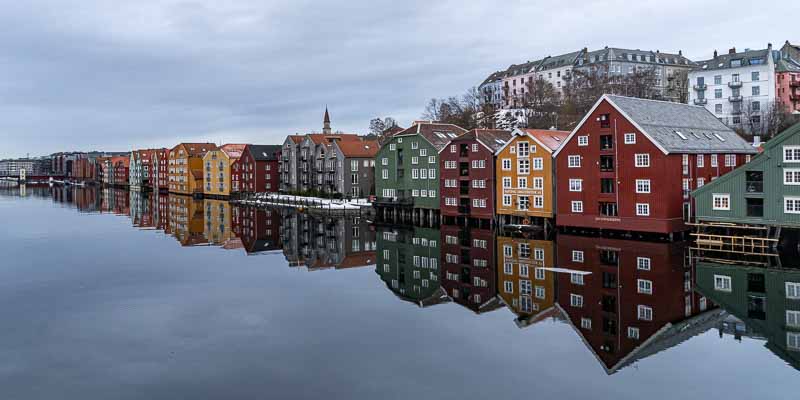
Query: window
x=508, y=286
x=392, y=147
x=506, y=182
x=450, y=165
x=721, y=201
x=574, y=161
x=525, y=287
x=540, y=292
x=538, y=273
x=385, y=174
x=577, y=256
x=643, y=263
x=730, y=160
x=524, y=203
x=575, y=300
x=754, y=75
x=474, y=148
x=523, y=166
x=507, y=200
x=714, y=163
x=792, y=290
x=630, y=138
x=538, y=183
x=793, y=341
x=538, y=254
x=722, y=283
x=718, y=108
x=642, y=160
x=414, y=160
x=644, y=313
x=506, y=164
x=643, y=186
x=538, y=164
x=508, y=268
x=756, y=91
x=701, y=159
x=644, y=286
x=701, y=182
x=583, y=140
x=577, y=206
x=423, y=152
x=633, y=333
x=522, y=183
x=793, y=318
x=523, y=149
x=791, y=176
x=384, y=161
x=432, y=160
x=586, y=323
x=576, y=279
x=718, y=79
x=791, y=205
x=538, y=201
x=642, y=209
x=791, y=153
x=575, y=185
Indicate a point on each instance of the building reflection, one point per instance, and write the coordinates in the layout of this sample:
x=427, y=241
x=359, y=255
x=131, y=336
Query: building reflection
x=525, y=280
x=469, y=268
x=321, y=241
x=408, y=263
x=257, y=229
x=764, y=304
x=217, y=227
x=629, y=299
x=186, y=220
x=141, y=210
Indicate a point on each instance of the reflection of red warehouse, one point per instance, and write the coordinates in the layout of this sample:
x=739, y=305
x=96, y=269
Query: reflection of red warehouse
x=630, y=164
x=468, y=273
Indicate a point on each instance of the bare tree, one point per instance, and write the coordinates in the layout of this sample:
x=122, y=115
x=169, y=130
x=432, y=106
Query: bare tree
x=541, y=104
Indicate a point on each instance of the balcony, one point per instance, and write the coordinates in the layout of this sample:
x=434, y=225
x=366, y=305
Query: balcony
x=700, y=87
x=700, y=102
x=735, y=84
x=794, y=84
x=734, y=99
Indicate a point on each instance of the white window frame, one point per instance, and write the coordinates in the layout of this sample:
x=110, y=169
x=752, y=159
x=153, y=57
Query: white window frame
x=573, y=161
x=723, y=283
x=794, y=152
x=630, y=138
x=583, y=140
x=795, y=201
x=644, y=263
x=642, y=160
x=505, y=164
x=643, y=209
x=576, y=206
x=644, y=313
x=643, y=186
x=721, y=196
x=794, y=173
x=576, y=185
x=577, y=256
x=644, y=286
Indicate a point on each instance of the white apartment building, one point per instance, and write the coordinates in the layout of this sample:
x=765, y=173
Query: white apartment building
x=736, y=87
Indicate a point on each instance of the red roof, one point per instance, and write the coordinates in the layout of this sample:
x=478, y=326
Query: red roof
x=319, y=138
x=197, y=149
x=550, y=138
x=359, y=149
x=233, y=151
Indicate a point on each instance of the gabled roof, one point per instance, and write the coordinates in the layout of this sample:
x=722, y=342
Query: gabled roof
x=232, y=150
x=559, y=61
x=674, y=127
x=197, y=149
x=723, y=61
x=359, y=149
x=437, y=134
x=492, y=139
x=787, y=65
x=549, y=139
x=295, y=138
x=319, y=138
x=264, y=152
x=494, y=77
x=521, y=69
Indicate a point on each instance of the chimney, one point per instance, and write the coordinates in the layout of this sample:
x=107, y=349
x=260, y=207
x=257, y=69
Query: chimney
x=769, y=46
x=756, y=141
x=680, y=52
x=732, y=50
x=715, y=53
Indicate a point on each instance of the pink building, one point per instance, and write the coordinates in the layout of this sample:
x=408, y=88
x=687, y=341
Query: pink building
x=787, y=77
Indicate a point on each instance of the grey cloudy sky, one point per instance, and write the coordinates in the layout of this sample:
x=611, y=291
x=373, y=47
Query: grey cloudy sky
x=115, y=75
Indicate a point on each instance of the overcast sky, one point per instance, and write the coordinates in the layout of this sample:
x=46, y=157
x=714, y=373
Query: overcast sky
x=104, y=75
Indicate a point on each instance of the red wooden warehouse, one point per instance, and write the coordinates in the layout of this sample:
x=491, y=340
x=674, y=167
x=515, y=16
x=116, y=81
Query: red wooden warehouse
x=630, y=164
x=256, y=171
x=468, y=191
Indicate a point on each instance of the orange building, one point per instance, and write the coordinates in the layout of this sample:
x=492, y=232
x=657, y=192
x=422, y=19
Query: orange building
x=525, y=176
x=523, y=283
x=186, y=167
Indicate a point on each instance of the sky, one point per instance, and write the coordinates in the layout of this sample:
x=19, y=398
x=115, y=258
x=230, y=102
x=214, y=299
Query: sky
x=113, y=75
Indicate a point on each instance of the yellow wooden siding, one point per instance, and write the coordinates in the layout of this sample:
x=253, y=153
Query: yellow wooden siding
x=546, y=174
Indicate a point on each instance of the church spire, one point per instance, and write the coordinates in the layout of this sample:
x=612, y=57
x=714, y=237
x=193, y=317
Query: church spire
x=326, y=123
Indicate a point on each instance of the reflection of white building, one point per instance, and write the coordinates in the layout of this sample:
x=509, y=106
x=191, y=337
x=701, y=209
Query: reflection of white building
x=13, y=167
x=736, y=87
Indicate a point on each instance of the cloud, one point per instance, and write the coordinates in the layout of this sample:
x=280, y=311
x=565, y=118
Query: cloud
x=119, y=75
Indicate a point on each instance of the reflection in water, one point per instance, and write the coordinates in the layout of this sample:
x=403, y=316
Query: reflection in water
x=764, y=303
x=625, y=300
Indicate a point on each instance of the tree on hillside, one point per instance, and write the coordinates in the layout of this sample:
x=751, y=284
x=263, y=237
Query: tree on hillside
x=381, y=129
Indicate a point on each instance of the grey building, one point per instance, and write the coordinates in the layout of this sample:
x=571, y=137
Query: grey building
x=350, y=168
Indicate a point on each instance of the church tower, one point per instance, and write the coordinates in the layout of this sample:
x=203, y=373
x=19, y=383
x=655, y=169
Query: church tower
x=326, y=123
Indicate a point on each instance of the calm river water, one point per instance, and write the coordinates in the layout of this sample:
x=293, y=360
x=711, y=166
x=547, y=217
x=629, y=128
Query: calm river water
x=109, y=294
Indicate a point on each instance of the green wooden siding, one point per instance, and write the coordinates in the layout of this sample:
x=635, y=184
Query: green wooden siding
x=762, y=310
x=410, y=278
x=771, y=163
x=406, y=185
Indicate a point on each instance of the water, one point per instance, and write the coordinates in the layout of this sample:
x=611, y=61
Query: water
x=110, y=294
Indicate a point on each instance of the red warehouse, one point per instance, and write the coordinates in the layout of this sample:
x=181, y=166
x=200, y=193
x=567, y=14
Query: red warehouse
x=160, y=174
x=630, y=164
x=256, y=171
x=467, y=181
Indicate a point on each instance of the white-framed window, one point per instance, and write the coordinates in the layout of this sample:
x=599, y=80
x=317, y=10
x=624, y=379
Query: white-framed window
x=523, y=270
x=721, y=201
x=431, y=193
x=540, y=292
x=642, y=160
x=453, y=148
x=414, y=145
x=791, y=153
x=714, y=162
x=576, y=279
x=414, y=160
x=524, y=203
x=793, y=290
x=423, y=193
x=791, y=205
x=508, y=268
x=538, y=254
x=384, y=161
x=642, y=209
x=574, y=161
x=431, y=173
x=701, y=182
x=793, y=341
x=525, y=287
x=431, y=159
x=538, y=183
x=730, y=160
x=583, y=140
x=643, y=263
x=793, y=318
x=523, y=166
x=522, y=183
x=506, y=164
x=506, y=181
x=523, y=149
x=633, y=333
x=414, y=173
x=723, y=283
x=507, y=200
x=644, y=286
x=701, y=160
x=575, y=185
x=508, y=286
x=538, y=201
x=423, y=173
x=474, y=147
x=450, y=165
x=575, y=300
x=393, y=146
x=644, y=313
x=643, y=186
x=449, y=201
x=630, y=138
x=423, y=152
x=577, y=256
x=577, y=206
x=385, y=174
x=538, y=164
x=586, y=323
x=538, y=274
x=791, y=176
x=508, y=250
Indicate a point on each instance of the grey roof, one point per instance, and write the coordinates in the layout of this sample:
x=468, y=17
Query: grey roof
x=264, y=152
x=494, y=139
x=723, y=61
x=650, y=57
x=437, y=134
x=787, y=65
x=559, y=61
x=520, y=69
x=494, y=77
x=682, y=128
